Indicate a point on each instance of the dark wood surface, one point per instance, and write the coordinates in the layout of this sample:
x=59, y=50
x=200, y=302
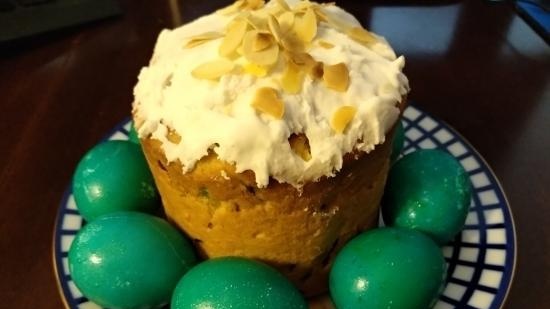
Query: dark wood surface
x=474, y=64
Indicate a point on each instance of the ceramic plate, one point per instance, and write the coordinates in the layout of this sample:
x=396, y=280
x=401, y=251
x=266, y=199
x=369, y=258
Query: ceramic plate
x=481, y=259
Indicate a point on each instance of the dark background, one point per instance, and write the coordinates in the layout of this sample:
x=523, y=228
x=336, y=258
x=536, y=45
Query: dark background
x=474, y=64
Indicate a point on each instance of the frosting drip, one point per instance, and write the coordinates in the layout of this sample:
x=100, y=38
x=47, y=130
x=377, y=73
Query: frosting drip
x=217, y=114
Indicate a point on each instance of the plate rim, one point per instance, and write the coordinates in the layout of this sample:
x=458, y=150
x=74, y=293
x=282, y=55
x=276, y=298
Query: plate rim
x=506, y=200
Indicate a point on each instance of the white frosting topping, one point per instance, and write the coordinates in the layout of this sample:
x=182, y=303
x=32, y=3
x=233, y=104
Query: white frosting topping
x=218, y=116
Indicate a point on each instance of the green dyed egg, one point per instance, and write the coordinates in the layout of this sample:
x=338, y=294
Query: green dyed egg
x=398, y=141
x=129, y=260
x=132, y=134
x=429, y=191
x=387, y=268
x=114, y=176
x=233, y=282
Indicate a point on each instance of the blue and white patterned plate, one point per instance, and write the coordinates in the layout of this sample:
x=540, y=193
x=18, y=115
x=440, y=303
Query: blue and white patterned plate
x=481, y=259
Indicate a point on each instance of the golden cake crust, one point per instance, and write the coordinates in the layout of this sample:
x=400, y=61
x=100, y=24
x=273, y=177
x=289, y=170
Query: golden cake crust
x=297, y=231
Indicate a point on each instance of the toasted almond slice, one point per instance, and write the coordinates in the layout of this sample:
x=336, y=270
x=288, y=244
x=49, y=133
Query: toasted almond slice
x=293, y=78
x=306, y=63
x=213, y=69
x=284, y=5
x=275, y=28
x=325, y=44
x=292, y=42
x=342, y=117
x=300, y=59
x=262, y=41
x=266, y=57
x=299, y=143
x=286, y=21
x=242, y=15
x=230, y=9
x=233, y=38
x=316, y=71
x=211, y=35
x=302, y=6
x=336, y=77
x=257, y=22
x=173, y=137
x=275, y=10
x=240, y=50
x=361, y=35
x=306, y=26
x=256, y=70
x=267, y=101
x=194, y=43
x=321, y=15
x=202, y=38
x=254, y=4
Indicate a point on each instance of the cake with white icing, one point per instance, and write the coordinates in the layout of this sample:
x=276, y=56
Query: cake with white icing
x=268, y=127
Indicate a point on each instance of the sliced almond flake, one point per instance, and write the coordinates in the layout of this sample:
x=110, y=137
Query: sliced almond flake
x=266, y=57
x=254, y=4
x=284, y=5
x=274, y=10
x=342, y=117
x=325, y=44
x=173, y=137
x=299, y=143
x=274, y=28
x=306, y=63
x=257, y=22
x=256, y=70
x=293, y=78
x=300, y=59
x=336, y=77
x=361, y=35
x=243, y=14
x=202, y=38
x=291, y=42
x=195, y=43
x=228, y=10
x=316, y=71
x=213, y=69
x=321, y=15
x=302, y=6
x=211, y=35
x=240, y=50
x=306, y=26
x=286, y=21
x=267, y=101
x=262, y=41
x=233, y=38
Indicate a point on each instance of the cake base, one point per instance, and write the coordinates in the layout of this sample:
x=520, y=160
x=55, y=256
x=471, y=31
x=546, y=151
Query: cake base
x=298, y=232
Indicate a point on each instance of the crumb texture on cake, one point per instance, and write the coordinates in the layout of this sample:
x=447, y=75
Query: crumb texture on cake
x=299, y=233
x=233, y=83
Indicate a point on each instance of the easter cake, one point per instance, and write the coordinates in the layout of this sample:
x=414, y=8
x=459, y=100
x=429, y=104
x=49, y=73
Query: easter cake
x=267, y=128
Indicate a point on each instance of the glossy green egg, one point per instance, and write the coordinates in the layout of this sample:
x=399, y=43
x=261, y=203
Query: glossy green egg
x=114, y=176
x=398, y=141
x=132, y=134
x=129, y=260
x=388, y=268
x=233, y=282
x=429, y=191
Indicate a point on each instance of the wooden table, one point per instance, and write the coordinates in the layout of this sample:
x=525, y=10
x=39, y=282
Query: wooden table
x=474, y=64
